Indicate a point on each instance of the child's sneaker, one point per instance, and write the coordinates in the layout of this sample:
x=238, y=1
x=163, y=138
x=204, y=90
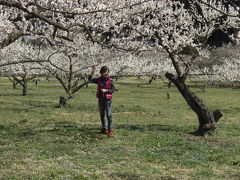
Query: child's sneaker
x=103, y=131
x=110, y=133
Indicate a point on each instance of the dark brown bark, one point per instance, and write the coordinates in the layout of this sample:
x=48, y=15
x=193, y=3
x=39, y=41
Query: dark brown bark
x=75, y=89
x=207, y=119
x=23, y=81
x=168, y=95
x=14, y=82
x=24, y=85
x=151, y=79
x=62, y=102
x=14, y=85
x=11, y=38
x=169, y=84
x=33, y=13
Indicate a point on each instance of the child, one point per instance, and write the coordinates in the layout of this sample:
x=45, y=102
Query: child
x=104, y=95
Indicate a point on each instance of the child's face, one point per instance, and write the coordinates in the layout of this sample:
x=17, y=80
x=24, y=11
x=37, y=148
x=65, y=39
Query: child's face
x=104, y=74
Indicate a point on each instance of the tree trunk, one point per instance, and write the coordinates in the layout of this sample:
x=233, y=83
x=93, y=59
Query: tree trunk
x=36, y=82
x=24, y=91
x=168, y=95
x=207, y=119
x=14, y=84
x=152, y=78
x=169, y=84
x=62, y=102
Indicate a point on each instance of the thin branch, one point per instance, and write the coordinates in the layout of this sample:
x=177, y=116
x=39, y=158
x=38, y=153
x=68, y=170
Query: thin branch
x=34, y=13
x=89, y=12
x=79, y=87
x=71, y=13
x=171, y=55
x=11, y=38
x=214, y=8
x=22, y=62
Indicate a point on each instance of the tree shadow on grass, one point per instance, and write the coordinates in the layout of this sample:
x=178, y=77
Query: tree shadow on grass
x=22, y=109
x=18, y=132
x=4, y=103
x=11, y=108
x=47, y=142
x=39, y=104
x=78, y=133
x=88, y=108
x=125, y=176
x=26, y=104
x=154, y=127
x=11, y=95
x=70, y=129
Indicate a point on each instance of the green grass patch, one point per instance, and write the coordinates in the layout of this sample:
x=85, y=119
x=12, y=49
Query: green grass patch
x=152, y=140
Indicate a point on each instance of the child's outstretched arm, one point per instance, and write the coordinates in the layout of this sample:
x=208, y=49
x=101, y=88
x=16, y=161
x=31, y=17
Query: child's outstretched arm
x=90, y=79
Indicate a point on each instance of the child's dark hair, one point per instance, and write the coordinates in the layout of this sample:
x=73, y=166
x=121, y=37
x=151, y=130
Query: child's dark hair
x=104, y=69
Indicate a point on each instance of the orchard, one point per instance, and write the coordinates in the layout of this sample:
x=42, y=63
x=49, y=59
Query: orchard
x=171, y=66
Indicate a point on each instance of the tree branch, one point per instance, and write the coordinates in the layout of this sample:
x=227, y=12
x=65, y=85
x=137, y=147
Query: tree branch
x=34, y=13
x=225, y=13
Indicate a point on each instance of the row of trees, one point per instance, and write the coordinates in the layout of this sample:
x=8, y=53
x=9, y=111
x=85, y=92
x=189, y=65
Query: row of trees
x=223, y=68
x=69, y=63
x=178, y=29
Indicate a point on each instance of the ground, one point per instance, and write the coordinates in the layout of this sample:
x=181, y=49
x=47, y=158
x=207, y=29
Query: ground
x=152, y=134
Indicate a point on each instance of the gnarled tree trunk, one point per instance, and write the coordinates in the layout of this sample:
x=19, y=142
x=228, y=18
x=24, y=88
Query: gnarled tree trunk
x=151, y=79
x=15, y=85
x=62, y=102
x=24, y=85
x=207, y=119
x=14, y=82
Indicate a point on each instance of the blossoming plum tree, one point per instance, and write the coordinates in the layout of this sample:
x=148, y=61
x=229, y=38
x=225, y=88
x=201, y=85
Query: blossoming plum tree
x=134, y=25
x=69, y=63
x=180, y=32
x=22, y=67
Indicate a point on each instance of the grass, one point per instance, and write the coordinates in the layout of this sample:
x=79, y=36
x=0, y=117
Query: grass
x=152, y=140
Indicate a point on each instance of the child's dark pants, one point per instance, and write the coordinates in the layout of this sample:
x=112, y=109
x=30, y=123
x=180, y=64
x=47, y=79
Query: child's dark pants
x=105, y=108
